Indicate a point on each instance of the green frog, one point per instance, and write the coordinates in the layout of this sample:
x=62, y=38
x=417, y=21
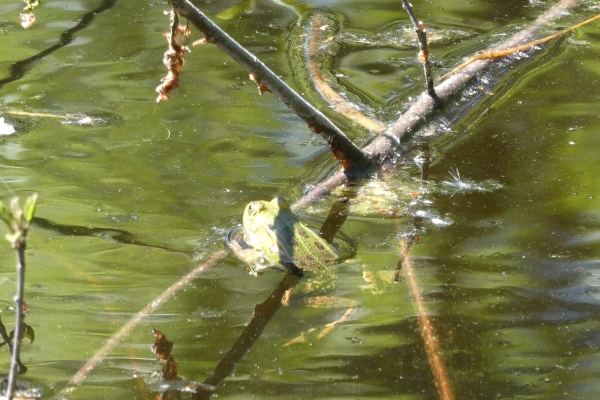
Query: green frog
x=273, y=236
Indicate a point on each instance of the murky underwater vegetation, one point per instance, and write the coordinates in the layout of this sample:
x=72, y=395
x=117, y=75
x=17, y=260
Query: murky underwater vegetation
x=134, y=200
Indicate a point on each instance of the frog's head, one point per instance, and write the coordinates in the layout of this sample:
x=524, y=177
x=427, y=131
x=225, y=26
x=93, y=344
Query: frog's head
x=259, y=222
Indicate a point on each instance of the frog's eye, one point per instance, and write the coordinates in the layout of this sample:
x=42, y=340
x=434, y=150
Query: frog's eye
x=254, y=208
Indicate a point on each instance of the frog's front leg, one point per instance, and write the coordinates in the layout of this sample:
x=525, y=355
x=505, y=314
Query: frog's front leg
x=246, y=254
x=249, y=255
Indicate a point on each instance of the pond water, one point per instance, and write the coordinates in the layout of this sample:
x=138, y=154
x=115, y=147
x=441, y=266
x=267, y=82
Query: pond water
x=139, y=197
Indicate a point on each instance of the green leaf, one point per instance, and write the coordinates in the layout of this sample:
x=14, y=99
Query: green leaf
x=230, y=13
x=249, y=6
x=246, y=7
x=13, y=238
x=29, y=208
x=17, y=213
x=29, y=333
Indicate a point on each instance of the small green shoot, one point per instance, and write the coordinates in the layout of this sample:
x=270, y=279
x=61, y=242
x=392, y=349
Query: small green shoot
x=18, y=220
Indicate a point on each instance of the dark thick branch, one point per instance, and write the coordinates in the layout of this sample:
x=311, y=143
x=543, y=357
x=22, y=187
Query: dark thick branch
x=353, y=158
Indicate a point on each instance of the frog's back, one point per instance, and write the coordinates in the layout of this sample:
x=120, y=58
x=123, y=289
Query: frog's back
x=311, y=252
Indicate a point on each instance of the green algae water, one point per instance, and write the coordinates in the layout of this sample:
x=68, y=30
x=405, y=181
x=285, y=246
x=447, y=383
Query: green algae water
x=135, y=194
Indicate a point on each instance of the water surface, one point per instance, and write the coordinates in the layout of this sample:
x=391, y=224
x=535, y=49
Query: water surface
x=130, y=204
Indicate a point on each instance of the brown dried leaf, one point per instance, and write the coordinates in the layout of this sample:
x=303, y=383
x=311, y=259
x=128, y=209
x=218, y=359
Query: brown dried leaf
x=261, y=86
x=181, y=37
x=161, y=347
x=174, y=57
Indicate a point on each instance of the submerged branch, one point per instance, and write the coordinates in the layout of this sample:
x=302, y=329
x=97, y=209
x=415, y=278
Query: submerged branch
x=353, y=158
x=404, y=128
x=337, y=102
x=263, y=313
x=427, y=331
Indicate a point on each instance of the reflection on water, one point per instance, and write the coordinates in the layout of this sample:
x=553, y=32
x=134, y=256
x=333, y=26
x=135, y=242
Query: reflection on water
x=511, y=284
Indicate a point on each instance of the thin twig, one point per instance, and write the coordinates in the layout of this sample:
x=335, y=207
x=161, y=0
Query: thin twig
x=16, y=366
x=46, y=115
x=18, y=221
x=353, y=158
x=503, y=53
x=424, y=51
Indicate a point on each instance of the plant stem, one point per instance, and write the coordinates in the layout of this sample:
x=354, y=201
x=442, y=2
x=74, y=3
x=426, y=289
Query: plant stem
x=16, y=366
